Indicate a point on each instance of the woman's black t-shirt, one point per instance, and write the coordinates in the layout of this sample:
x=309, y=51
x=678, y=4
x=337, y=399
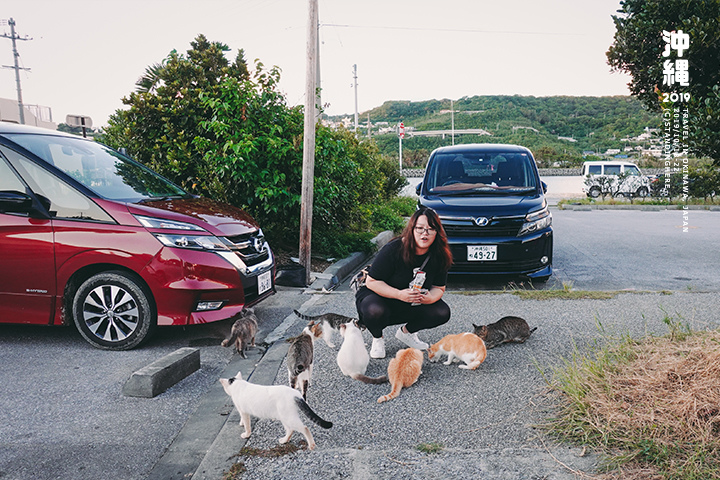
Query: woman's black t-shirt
x=390, y=267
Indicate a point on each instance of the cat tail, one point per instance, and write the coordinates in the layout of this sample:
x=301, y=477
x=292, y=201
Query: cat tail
x=393, y=393
x=533, y=329
x=302, y=405
x=366, y=379
x=302, y=316
x=229, y=341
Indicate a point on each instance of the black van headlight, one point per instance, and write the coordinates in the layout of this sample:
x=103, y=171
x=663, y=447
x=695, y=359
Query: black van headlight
x=536, y=221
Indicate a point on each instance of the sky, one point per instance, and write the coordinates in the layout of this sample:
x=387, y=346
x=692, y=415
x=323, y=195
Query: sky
x=84, y=56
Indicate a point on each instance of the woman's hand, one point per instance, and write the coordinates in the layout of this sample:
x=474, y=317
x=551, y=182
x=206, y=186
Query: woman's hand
x=408, y=295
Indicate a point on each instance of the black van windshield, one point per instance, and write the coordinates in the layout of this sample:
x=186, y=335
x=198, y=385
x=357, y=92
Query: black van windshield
x=101, y=169
x=466, y=173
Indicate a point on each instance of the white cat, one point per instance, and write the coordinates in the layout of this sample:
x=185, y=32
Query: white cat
x=276, y=402
x=353, y=358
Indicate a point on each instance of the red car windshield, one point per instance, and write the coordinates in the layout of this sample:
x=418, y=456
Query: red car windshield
x=101, y=169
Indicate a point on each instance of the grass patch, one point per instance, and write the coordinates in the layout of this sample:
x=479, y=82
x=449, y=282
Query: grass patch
x=430, y=447
x=277, y=451
x=566, y=295
x=651, y=405
x=235, y=471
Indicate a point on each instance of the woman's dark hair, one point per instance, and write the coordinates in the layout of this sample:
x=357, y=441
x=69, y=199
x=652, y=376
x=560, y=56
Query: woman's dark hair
x=439, y=248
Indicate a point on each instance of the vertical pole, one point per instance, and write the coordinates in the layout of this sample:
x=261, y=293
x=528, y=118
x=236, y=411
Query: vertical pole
x=306, y=202
x=452, y=121
x=356, y=103
x=11, y=22
x=400, y=155
x=318, y=84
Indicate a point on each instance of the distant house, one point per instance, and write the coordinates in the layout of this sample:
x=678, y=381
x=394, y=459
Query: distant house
x=36, y=115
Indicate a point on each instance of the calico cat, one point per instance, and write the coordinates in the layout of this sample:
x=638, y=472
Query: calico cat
x=325, y=324
x=403, y=371
x=353, y=358
x=467, y=347
x=277, y=402
x=243, y=331
x=300, y=361
x=505, y=330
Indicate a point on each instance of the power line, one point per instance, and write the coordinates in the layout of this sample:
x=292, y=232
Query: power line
x=451, y=30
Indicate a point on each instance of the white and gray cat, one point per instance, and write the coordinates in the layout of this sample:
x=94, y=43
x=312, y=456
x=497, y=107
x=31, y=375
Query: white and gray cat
x=300, y=361
x=243, y=331
x=353, y=358
x=325, y=324
x=276, y=402
x=507, y=329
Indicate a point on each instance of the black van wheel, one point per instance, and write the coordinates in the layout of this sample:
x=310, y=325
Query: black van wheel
x=112, y=311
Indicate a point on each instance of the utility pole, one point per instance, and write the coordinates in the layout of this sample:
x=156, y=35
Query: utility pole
x=306, y=199
x=452, y=121
x=356, y=106
x=17, y=67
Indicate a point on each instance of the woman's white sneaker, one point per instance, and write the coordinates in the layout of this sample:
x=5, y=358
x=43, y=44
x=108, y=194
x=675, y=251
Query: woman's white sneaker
x=411, y=340
x=378, y=348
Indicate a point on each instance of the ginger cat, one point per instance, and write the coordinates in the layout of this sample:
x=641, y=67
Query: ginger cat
x=403, y=371
x=467, y=347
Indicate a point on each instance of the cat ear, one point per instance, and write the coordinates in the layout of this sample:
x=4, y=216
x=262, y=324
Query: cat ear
x=475, y=326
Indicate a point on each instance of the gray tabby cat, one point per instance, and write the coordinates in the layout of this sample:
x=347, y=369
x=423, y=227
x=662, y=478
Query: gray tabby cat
x=505, y=330
x=243, y=331
x=325, y=324
x=300, y=361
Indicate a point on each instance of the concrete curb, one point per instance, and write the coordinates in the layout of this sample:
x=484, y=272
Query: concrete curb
x=338, y=271
x=162, y=374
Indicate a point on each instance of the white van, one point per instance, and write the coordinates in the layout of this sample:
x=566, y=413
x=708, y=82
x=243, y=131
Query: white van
x=603, y=177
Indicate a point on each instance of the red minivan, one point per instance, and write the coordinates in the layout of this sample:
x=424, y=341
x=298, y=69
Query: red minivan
x=91, y=237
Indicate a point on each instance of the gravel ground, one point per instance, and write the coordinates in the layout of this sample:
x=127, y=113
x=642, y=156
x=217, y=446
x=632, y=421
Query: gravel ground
x=485, y=420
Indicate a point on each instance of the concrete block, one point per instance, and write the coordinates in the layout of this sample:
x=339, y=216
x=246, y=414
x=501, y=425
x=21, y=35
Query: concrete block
x=162, y=374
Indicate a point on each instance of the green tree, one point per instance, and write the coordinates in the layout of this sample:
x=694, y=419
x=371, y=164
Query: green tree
x=222, y=131
x=166, y=113
x=638, y=50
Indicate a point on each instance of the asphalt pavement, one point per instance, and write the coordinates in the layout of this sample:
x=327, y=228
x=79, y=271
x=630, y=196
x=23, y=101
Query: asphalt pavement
x=478, y=424
x=63, y=414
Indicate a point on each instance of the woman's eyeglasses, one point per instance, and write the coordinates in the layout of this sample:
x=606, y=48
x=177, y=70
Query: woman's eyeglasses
x=428, y=231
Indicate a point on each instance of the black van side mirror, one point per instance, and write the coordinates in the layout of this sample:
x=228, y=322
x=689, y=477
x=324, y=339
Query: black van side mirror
x=544, y=185
x=418, y=188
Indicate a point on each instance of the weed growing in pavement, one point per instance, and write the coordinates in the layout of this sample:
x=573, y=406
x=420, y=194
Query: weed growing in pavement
x=275, y=452
x=650, y=405
x=235, y=471
x=430, y=447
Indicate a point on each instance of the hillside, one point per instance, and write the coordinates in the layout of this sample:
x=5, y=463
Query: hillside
x=557, y=129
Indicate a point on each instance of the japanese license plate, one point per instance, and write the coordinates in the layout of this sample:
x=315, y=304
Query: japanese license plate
x=481, y=253
x=264, y=282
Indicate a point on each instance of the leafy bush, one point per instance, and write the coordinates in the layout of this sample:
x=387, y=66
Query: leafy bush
x=221, y=131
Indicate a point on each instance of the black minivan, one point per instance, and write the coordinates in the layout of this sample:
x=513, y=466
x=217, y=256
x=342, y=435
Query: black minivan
x=493, y=208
